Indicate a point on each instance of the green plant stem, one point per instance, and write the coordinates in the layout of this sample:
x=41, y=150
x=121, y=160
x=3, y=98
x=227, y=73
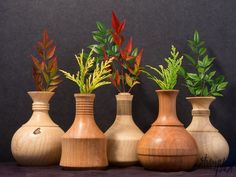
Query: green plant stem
x=130, y=88
x=123, y=79
x=203, y=82
x=118, y=89
x=112, y=65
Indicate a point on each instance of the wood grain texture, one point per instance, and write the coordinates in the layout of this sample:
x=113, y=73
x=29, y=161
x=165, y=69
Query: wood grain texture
x=38, y=142
x=167, y=146
x=124, y=134
x=84, y=144
x=213, y=148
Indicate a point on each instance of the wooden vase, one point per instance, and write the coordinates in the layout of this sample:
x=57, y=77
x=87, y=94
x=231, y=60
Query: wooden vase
x=167, y=146
x=213, y=148
x=84, y=144
x=123, y=135
x=38, y=142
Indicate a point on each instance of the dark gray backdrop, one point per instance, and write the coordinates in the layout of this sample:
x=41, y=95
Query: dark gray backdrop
x=154, y=25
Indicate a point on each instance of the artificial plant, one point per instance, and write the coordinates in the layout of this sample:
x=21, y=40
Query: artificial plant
x=167, y=76
x=45, y=69
x=125, y=67
x=202, y=81
x=90, y=75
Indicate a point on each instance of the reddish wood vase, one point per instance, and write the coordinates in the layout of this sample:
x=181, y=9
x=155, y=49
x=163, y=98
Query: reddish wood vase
x=167, y=146
x=84, y=144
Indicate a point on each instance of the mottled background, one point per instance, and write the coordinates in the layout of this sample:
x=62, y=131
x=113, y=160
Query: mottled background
x=154, y=25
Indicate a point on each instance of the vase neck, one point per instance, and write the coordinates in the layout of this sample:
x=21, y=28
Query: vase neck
x=84, y=104
x=40, y=100
x=167, y=108
x=201, y=103
x=201, y=106
x=201, y=114
x=124, y=104
x=167, y=103
x=40, y=107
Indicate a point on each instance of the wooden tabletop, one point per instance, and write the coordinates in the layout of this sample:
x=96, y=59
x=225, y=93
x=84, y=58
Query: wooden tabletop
x=13, y=170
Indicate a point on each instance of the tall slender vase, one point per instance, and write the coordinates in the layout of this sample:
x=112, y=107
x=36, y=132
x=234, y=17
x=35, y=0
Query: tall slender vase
x=123, y=135
x=213, y=148
x=38, y=142
x=167, y=146
x=84, y=144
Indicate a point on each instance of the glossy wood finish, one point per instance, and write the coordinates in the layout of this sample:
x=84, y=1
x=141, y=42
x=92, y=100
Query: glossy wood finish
x=38, y=142
x=213, y=148
x=84, y=144
x=167, y=146
x=124, y=134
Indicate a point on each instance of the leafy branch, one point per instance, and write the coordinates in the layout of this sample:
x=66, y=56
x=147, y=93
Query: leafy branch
x=45, y=71
x=168, y=76
x=125, y=67
x=87, y=78
x=203, y=81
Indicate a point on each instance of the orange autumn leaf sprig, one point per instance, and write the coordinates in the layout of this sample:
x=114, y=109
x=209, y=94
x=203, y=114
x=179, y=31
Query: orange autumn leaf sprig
x=45, y=68
x=126, y=60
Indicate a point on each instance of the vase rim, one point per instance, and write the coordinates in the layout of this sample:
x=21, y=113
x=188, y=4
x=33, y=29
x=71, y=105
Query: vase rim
x=124, y=93
x=85, y=94
x=44, y=92
x=200, y=97
x=174, y=90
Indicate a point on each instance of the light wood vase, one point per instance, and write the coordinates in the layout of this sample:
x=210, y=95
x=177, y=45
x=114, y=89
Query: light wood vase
x=84, y=144
x=212, y=146
x=167, y=146
x=123, y=135
x=38, y=142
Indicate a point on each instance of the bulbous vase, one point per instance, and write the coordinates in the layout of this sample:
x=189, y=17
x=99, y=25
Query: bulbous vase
x=212, y=146
x=167, y=146
x=38, y=141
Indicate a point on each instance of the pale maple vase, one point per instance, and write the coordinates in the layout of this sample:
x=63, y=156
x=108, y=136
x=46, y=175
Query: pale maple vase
x=84, y=145
x=167, y=146
x=38, y=141
x=213, y=148
x=124, y=134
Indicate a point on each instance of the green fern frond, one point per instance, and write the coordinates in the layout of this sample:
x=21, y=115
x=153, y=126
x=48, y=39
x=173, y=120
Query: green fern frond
x=86, y=79
x=168, y=76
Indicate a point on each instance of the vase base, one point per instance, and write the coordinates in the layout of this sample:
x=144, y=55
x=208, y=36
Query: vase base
x=33, y=164
x=83, y=153
x=83, y=168
x=122, y=164
x=168, y=163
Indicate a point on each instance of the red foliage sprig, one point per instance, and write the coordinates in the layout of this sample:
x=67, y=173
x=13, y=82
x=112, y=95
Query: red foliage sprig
x=126, y=68
x=45, y=67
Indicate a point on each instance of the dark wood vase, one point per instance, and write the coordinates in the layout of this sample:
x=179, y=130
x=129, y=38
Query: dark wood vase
x=84, y=145
x=167, y=146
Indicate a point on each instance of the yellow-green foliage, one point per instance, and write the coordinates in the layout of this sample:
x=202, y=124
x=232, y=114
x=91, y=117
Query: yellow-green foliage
x=168, y=76
x=87, y=78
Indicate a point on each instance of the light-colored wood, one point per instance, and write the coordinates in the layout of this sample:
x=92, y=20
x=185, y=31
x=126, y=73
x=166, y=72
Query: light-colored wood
x=124, y=134
x=38, y=142
x=167, y=146
x=84, y=144
x=213, y=148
